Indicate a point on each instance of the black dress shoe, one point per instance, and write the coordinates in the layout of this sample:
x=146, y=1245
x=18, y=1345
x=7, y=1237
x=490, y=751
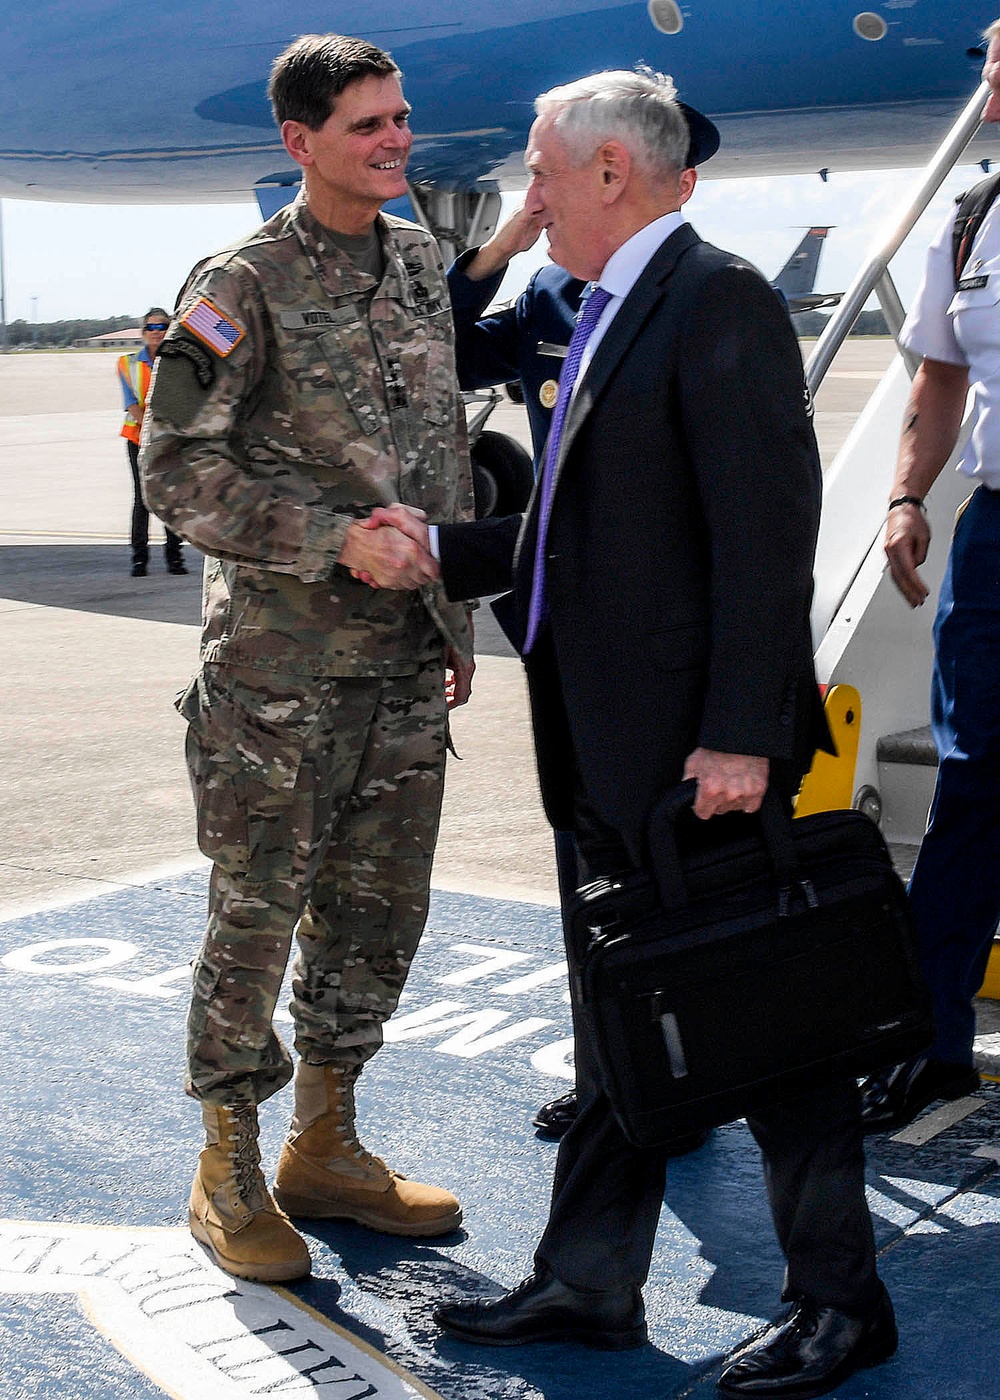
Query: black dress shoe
x=557, y=1116
x=176, y=566
x=554, y=1119
x=812, y=1352
x=139, y=570
x=893, y=1099
x=541, y=1309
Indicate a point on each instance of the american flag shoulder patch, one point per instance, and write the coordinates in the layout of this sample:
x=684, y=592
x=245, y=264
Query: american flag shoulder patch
x=211, y=325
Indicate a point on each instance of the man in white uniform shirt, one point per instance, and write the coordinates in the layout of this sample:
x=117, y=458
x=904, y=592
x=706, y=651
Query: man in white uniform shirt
x=955, y=889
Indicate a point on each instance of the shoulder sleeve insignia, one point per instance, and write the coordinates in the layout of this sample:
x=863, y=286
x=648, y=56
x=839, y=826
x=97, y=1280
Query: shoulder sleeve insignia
x=213, y=327
x=201, y=360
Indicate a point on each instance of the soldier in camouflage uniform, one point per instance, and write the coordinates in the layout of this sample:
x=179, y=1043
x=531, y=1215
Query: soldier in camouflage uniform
x=307, y=378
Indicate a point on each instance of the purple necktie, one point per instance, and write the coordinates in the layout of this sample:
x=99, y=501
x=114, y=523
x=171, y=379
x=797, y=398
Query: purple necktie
x=590, y=314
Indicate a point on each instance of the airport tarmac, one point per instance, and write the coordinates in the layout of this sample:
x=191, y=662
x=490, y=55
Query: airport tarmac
x=103, y=1294
x=95, y=788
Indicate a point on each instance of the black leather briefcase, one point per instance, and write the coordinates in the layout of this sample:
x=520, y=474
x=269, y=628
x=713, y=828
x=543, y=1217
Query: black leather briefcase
x=758, y=957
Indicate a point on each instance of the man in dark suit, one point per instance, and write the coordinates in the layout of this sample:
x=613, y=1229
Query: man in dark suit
x=662, y=579
x=528, y=342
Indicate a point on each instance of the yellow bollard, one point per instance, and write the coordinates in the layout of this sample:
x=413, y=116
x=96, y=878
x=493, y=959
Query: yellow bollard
x=990, y=990
x=829, y=784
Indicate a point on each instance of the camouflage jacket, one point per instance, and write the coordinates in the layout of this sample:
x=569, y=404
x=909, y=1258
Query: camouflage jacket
x=292, y=395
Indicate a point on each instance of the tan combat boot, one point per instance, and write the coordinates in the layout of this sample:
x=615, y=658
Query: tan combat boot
x=325, y=1173
x=231, y=1208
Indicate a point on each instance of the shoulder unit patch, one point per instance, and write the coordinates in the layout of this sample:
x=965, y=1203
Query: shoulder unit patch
x=185, y=349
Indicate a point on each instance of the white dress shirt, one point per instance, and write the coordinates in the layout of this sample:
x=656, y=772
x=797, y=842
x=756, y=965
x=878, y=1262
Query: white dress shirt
x=621, y=272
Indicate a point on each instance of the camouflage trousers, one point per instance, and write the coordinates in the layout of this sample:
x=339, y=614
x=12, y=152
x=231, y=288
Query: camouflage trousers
x=318, y=803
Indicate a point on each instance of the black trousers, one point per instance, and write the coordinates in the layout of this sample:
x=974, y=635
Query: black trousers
x=607, y=1194
x=139, y=534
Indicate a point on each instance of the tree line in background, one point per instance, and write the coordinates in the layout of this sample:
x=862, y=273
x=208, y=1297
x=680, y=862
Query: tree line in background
x=54, y=335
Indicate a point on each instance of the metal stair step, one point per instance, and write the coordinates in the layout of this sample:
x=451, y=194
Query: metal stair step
x=907, y=768
x=914, y=746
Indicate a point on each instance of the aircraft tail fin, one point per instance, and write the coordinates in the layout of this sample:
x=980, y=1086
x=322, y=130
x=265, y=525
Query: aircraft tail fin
x=798, y=276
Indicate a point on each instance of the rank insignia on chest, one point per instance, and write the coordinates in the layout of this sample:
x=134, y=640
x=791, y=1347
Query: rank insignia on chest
x=425, y=301
x=213, y=326
x=395, y=386
x=973, y=284
x=548, y=394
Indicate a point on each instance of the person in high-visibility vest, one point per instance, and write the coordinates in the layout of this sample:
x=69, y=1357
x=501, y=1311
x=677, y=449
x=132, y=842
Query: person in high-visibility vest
x=134, y=373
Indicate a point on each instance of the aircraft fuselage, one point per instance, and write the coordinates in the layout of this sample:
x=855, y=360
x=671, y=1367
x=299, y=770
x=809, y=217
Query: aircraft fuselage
x=794, y=87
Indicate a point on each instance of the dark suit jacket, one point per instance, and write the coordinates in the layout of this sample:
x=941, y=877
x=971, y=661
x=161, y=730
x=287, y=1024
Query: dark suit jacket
x=679, y=550
x=508, y=344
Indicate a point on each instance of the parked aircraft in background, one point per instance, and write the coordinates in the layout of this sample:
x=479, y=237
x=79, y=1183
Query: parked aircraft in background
x=797, y=278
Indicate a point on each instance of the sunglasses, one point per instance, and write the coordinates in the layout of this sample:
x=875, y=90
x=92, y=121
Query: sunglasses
x=156, y=326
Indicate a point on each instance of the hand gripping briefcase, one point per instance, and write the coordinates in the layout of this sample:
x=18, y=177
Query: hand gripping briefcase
x=758, y=957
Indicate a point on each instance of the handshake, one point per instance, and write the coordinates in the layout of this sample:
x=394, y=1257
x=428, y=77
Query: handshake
x=390, y=549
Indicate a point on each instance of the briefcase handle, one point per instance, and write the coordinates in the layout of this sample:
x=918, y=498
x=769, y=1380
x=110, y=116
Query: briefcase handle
x=771, y=825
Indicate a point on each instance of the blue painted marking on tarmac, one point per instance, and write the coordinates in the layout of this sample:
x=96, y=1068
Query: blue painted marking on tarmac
x=96, y=1131
x=48, y=1350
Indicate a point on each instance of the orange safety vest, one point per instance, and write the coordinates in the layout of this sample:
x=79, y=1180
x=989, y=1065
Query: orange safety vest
x=134, y=370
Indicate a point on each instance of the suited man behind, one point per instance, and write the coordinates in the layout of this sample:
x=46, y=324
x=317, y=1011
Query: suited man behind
x=526, y=341
x=666, y=635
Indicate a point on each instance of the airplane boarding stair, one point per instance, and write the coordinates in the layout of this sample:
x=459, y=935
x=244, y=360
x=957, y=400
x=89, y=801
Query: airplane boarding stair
x=864, y=633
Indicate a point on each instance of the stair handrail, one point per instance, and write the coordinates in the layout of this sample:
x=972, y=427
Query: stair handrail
x=945, y=158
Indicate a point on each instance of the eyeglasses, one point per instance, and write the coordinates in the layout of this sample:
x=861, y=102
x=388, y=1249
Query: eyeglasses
x=156, y=326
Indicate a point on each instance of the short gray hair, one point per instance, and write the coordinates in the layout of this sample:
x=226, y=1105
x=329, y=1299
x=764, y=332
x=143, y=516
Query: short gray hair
x=992, y=31
x=638, y=108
